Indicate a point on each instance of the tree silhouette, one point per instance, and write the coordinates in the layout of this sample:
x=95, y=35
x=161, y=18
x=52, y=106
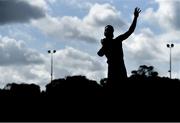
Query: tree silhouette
x=25, y=90
x=145, y=71
x=76, y=98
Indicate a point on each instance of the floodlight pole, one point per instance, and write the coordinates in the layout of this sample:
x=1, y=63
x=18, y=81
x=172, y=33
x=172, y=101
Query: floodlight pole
x=170, y=60
x=51, y=52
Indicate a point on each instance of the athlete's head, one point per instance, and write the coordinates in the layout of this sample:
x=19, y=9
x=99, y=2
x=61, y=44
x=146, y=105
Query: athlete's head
x=108, y=32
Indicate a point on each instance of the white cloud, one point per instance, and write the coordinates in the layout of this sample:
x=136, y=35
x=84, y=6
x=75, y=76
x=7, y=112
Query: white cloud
x=20, y=64
x=86, y=29
x=101, y=15
x=14, y=52
x=84, y=4
x=76, y=62
x=152, y=49
x=167, y=15
x=145, y=46
x=36, y=74
x=148, y=48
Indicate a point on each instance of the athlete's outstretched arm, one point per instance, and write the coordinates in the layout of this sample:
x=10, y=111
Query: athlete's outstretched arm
x=132, y=27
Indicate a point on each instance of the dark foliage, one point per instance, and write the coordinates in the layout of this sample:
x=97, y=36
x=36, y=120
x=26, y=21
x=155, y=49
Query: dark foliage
x=23, y=90
x=145, y=71
x=142, y=97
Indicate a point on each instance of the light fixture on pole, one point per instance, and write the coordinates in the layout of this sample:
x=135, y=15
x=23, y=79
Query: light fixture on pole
x=170, y=61
x=51, y=52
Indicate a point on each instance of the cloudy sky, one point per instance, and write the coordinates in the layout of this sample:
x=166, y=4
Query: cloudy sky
x=74, y=28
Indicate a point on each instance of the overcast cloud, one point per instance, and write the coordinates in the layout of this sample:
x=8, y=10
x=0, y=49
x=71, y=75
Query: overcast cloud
x=17, y=11
x=146, y=46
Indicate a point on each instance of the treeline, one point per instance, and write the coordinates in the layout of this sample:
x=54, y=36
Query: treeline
x=81, y=86
x=144, y=96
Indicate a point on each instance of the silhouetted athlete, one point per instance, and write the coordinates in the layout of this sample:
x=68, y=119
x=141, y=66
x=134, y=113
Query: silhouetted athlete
x=112, y=49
